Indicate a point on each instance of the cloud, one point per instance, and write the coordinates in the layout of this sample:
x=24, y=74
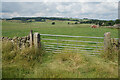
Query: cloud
x=100, y=10
x=60, y=0
x=10, y=15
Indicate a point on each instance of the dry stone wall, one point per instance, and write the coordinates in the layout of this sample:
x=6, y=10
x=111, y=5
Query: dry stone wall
x=27, y=41
x=20, y=41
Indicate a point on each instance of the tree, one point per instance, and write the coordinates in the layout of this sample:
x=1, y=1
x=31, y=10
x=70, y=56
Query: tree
x=117, y=21
x=100, y=23
x=109, y=23
x=24, y=20
x=76, y=22
x=53, y=23
x=43, y=20
x=29, y=20
x=38, y=19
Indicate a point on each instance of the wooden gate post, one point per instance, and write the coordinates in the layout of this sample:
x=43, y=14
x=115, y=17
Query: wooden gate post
x=36, y=40
x=107, y=41
x=31, y=38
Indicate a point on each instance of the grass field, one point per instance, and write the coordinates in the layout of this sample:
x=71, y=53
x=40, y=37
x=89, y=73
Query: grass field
x=11, y=29
x=28, y=63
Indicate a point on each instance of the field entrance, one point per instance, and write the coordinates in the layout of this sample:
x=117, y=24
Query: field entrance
x=57, y=43
x=78, y=37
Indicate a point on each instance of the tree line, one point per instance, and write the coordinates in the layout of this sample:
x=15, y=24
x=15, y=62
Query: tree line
x=42, y=19
x=102, y=22
x=81, y=21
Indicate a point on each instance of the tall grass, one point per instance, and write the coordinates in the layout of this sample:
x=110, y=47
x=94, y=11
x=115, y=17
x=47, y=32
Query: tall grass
x=18, y=61
x=110, y=54
x=75, y=65
x=28, y=63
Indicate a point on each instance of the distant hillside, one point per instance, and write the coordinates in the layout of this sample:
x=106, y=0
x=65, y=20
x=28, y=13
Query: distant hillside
x=81, y=21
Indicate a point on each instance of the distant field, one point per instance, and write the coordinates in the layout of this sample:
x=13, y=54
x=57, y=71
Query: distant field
x=11, y=29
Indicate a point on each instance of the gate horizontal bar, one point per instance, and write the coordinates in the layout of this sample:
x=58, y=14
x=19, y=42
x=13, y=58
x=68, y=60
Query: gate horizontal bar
x=52, y=44
x=74, y=41
x=71, y=36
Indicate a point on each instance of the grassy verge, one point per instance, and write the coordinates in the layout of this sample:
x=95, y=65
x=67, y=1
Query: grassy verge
x=28, y=63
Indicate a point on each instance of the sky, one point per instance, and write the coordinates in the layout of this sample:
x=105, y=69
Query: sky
x=93, y=10
x=59, y=0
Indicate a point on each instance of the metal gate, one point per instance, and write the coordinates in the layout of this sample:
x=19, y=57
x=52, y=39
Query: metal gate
x=57, y=43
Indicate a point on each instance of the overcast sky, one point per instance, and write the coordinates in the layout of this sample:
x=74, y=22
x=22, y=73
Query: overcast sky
x=59, y=0
x=93, y=10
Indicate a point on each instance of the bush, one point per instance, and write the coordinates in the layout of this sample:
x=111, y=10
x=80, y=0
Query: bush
x=76, y=22
x=53, y=23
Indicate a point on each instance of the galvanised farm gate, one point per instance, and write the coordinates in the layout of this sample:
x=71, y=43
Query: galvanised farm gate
x=56, y=43
x=80, y=44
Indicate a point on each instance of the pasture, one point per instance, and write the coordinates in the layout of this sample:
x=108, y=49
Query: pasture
x=11, y=29
x=27, y=63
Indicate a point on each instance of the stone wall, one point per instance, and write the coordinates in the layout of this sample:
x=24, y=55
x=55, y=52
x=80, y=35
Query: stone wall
x=20, y=41
x=110, y=43
x=27, y=41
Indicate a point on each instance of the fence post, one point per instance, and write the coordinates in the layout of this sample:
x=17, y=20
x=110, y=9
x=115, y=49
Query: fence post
x=31, y=38
x=119, y=43
x=36, y=40
x=107, y=41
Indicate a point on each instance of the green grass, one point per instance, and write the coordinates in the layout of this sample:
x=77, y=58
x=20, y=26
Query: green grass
x=11, y=29
x=27, y=63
